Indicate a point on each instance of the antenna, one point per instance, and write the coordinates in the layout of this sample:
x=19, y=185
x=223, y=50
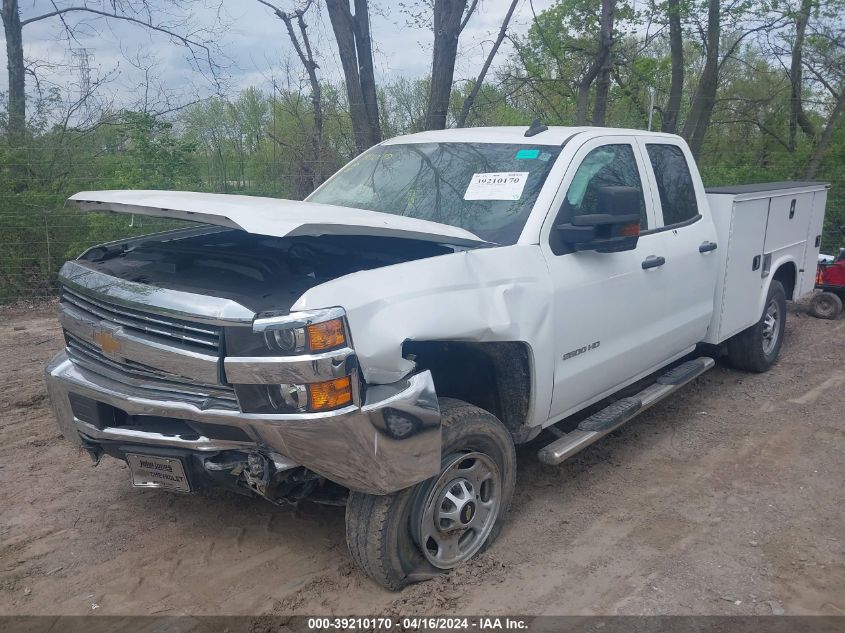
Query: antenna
x=536, y=127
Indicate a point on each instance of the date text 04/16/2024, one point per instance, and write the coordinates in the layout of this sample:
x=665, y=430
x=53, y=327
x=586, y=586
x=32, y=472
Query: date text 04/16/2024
x=418, y=624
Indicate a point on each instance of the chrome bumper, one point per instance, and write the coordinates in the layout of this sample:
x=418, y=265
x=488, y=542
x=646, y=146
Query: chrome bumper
x=390, y=442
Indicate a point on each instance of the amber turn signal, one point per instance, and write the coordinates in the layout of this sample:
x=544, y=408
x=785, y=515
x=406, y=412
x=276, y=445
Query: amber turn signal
x=332, y=394
x=631, y=230
x=326, y=335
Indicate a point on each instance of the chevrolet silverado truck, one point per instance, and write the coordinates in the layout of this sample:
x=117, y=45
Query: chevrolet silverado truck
x=446, y=295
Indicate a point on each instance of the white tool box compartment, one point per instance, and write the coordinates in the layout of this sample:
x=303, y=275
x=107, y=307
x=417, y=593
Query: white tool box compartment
x=760, y=227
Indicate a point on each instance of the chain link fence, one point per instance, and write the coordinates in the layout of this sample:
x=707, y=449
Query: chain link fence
x=39, y=231
x=38, y=234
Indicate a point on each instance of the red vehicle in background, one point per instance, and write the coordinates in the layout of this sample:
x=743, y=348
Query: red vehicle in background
x=830, y=279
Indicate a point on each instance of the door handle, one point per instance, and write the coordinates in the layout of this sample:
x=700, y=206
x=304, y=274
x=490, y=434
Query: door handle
x=653, y=261
x=706, y=247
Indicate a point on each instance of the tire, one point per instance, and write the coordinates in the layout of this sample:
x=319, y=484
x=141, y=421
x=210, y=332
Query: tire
x=826, y=305
x=757, y=348
x=383, y=532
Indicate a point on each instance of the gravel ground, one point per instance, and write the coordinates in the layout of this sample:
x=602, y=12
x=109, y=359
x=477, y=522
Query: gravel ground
x=727, y=499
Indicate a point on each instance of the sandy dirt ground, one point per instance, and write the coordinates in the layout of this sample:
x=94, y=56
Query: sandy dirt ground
x=729, y=499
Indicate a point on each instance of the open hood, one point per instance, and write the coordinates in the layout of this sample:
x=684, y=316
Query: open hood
x=271, y=216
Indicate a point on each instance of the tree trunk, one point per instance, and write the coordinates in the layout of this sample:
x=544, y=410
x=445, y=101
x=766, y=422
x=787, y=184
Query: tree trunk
x=796, y=107
x=582, y=100
x=17, y=78
x=345, y=28
x=470, y=100
x=306, y=56
x=698, y=121
x=603, y=80
x=316, y=105
x=669, y=122
x=600, y=63
x=447, y=28
x=824, y=140
x=366, y=73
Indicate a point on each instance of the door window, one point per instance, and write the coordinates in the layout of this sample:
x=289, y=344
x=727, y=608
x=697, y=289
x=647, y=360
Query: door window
x=605, y=166
x=674, y=183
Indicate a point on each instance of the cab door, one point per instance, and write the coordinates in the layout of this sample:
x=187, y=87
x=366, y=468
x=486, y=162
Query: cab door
x=607, y=310
x=690, y=240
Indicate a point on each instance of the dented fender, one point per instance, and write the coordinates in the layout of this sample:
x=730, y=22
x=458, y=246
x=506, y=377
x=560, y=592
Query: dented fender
x=484, y=295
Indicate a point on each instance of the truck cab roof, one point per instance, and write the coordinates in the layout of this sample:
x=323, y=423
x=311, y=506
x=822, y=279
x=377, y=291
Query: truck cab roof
x=515, y=134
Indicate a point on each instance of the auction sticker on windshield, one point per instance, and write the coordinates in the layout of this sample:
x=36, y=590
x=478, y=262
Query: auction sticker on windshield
x=500, y=185
x=157, y=472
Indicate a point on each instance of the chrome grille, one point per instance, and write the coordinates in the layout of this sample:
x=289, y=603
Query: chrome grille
x=156, y=382
x=167, y=329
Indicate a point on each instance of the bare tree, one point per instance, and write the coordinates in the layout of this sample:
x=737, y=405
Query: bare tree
x=449, y=19
x=701, y=110
x=352, y=32
x=17, y=78
x=198, y=42
x=302, y=45
x=826, y=135
x=469, y=102
x=676, y=51
x=825, y=60
x=600, y=64
x=606, y=53
x=704, y=100
x=797, y=116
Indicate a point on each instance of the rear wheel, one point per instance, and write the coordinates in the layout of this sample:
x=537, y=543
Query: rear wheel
x=438, y=524
x=757, y=348
x=826, y=305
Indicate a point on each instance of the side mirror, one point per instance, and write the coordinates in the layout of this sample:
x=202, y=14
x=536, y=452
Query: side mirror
x=615, y=228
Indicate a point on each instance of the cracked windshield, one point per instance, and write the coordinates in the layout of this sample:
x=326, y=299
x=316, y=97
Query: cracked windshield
x=485, y=188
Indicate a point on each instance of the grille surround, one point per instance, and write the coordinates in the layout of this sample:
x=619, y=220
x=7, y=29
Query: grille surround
x=163, y=333
x=154, y=382
x=168, y=330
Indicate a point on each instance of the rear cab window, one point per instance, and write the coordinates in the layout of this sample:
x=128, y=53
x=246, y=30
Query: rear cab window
x=674, y=184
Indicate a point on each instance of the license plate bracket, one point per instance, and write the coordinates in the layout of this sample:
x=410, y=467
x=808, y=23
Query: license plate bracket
x=153, y=471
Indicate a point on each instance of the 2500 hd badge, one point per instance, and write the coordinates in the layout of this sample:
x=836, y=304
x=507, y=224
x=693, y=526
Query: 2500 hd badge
x=581, y=350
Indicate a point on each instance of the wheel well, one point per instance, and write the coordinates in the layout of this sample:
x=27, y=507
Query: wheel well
x=787, y=275
x=493, y=376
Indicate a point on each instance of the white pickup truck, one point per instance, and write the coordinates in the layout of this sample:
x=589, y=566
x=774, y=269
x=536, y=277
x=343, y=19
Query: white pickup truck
x=446, y=295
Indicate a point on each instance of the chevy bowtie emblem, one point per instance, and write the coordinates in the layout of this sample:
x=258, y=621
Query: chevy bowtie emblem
x=107, y=342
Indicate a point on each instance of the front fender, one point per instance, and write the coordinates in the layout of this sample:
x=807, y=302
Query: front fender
x=483, y=295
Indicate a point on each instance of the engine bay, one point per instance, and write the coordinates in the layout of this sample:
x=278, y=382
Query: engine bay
x=257, y=271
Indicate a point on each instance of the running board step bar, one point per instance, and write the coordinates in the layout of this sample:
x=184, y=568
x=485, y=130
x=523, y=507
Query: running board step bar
x=615, y=415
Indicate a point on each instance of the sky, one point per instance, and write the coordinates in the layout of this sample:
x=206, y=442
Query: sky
x=254, y=41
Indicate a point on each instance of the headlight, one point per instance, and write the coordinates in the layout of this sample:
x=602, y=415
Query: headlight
x=319, y=337
x=280, y=339
x=313, y=397
x=309, y=332
x=288, y=341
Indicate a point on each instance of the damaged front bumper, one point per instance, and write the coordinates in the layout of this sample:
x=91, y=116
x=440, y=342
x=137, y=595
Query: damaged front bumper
x=389, y=442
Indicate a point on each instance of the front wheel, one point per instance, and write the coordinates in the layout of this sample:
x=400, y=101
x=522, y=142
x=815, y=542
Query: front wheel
x=438, y=524
x=757, y=348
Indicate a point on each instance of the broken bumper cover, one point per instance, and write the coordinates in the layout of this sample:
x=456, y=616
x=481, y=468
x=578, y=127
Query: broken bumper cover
x=390, y=442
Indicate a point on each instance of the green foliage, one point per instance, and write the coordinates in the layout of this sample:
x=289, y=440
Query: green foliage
x=154, y=157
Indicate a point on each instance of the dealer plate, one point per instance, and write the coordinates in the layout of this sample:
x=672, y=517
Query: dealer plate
x=157, y=472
